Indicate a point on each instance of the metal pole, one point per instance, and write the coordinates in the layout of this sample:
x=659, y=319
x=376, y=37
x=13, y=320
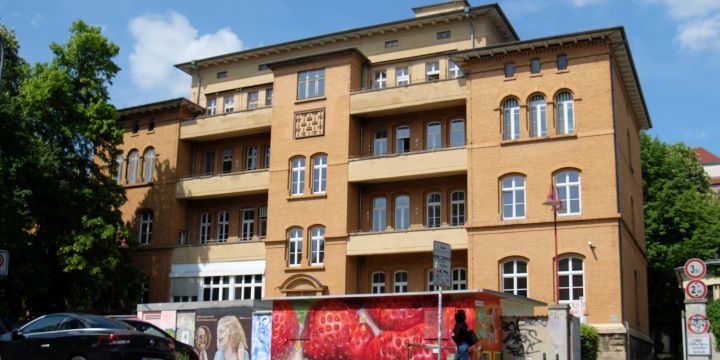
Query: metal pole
x=557, y=262
x=439, y=320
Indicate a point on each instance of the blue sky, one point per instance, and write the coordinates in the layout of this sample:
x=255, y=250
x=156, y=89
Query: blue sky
x=675, y=43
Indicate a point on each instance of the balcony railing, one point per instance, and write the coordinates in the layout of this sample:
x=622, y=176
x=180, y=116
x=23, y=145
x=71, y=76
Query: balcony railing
x=405, y=241
x=228, y=125
x=232, y=250
x=224, y=185
x=411, y=98
x=407, y=166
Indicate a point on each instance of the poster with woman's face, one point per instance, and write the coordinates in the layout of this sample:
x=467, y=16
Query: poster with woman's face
x=225, y=333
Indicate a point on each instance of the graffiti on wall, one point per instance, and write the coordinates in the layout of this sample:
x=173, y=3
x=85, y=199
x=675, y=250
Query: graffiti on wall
x=525, y=336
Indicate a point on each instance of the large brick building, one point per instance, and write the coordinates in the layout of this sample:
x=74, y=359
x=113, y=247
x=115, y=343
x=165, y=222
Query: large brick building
x=329, y=165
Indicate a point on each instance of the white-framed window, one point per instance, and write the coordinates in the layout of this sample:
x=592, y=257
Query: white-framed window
x=268, y=97
x=379, y=214
x=380, y=79
x=402, y=212
x=267, y=156
x=295, y=247
x=229, y=104
x=118, y=168
x=248, y=287
x=223, y=226
x=432, y=71
x=511, y=119
x=227, y=161
x=430, y=281
x=262, y=221
x=209, y=163
x=432, y=206
x=205, y=225
x=568, y=187
x=311, y=84
x=400, y=282
x=459, y=279
x=434, y=137
x=253, y=98
x=457, y=132
x=571, y=280
x=184, y=298
x=317, y=245
x=513, y=197
x=457, y=208
x=146, y=222
x=216, y=288
x=535, y=66
x=251, y=158
x=538, y=116
x=319, y=174
x=454, y=70
x=377, y=283
x=380, y=143
x=248, y=224
x=565, y=113
x=515, y=277
x=211, y=106
x=402, y=76
x=297, y=183
x=402, y=139
x=132, y=167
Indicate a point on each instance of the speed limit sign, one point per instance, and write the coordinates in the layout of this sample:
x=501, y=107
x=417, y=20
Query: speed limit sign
x=696, y=289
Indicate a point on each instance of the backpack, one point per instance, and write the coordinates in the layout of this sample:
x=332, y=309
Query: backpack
x=472, y=337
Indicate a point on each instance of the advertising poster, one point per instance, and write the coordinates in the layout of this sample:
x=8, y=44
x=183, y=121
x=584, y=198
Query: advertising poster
x=222, y=334
x=162, y=319
x=185, y=329
x=261, y=336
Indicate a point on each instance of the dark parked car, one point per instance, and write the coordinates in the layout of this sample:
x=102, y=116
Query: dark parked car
x=148, y=328
x=68, y=336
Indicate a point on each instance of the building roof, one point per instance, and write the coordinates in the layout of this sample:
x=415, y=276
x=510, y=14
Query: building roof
x=163, y=105
x=706, y=157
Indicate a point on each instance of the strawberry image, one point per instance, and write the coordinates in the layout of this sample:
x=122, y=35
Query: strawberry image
x=395, y=345
x=395, y=313
x=329, y=328
x=284, y=329
x=360, y=337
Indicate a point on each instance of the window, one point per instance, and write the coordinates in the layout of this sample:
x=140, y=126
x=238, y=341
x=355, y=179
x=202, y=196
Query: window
x=262, y=221
x=211, y=106
x=402, y=76
x=209, y=163
x=252, y=99
x=391, y=44
x=562, y=62
x=459, y=279
x=268, y=97
x=509, y=70
x=432, y=71
x=216, y=288
x=511, y=119
x=515, y=277
x=135, y=127
x=311, y=84
x=457, y=208
x=297, y=184
x=317, y=245
x=571, y=279
x=454, y=70
x=251, y=158
x=402, y=212
x=433, y=136
x=513, y=197
x=146, y=222
x=132, y=167
x=248, y=222
x=433, y=210
x=263, y=67
x=151, y=125
x=443, y=35
x=228, y=104
x=378, y=282
x=205, y=227
x=221, y=74
x=402, y=140
x=319, y=174
x=223, y=226
x=535, y=66
x=227, y=161
x=400, y=283
x=379, y=80
x=248, y=287
x=538, y=118
x=48, y=323
x=267, y=156
x=184, y=298
x=295, y=247
x=118, y=168
x=379, y=214
x=148, y=165
x=568, y=187
x=565, y=113
x=431, y=281
x=457, y=132
x=380, y=145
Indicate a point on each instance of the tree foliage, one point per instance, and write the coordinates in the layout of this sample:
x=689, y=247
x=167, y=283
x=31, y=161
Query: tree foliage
x=59, y=208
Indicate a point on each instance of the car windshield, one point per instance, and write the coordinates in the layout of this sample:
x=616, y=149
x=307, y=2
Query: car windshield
x=147, y=328
x=97, y=321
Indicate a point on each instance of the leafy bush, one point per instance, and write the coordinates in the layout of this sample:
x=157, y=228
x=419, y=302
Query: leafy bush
x=589, y=342
x=713, y=314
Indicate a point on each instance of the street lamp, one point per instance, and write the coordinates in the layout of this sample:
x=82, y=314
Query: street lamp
x=553, y=200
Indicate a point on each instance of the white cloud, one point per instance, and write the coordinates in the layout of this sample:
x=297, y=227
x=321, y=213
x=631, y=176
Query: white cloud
x=698, y=22
x=162, y=41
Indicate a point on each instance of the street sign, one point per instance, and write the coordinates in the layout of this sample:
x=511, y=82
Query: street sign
x=4, y=262
x=698, y=344
x=695, y=268
x=698, y=324
x=442, y=264
x=696, y=289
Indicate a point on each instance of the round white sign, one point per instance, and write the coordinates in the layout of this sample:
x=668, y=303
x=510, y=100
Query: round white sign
x=696, y=289
x=698, y=324
x=695, y=268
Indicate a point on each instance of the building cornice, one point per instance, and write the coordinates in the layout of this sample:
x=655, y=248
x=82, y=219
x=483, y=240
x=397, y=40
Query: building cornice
x=159, y=106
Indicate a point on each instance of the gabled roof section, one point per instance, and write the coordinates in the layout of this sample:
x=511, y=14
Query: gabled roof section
x=493, y=11
x=706, y=157
x=620, y=48
x=163, y=105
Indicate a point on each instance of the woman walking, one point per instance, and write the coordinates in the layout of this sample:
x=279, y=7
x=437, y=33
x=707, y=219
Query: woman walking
x=461, y=336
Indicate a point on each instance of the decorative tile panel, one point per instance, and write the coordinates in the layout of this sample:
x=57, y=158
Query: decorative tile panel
x=309, y=123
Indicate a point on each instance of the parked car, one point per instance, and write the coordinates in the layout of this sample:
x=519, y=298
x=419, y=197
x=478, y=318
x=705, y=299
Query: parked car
x=148, y=328
x=68, y=336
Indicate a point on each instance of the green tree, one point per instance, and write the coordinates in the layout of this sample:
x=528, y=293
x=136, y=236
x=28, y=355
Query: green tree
x=59, y=206
x=682, y=221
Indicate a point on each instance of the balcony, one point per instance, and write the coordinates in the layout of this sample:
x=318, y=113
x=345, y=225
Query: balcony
x=233, y=250
x=225, y=185
x=408, y=166
x=410, y=241
x=225, y=126
x=411, y=98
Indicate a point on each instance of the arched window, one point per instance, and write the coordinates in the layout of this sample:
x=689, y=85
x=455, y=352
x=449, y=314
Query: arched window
x=132, y=167
x=295, y=247
x=457, y=132
x=433, y=136
x=380, y=145
x=118, y=168
x=223, y=226
x=205, y=223
x=571, y=279
x=515, y=277
x=513, y=197
x=511, y=119
x=317, y=245
x=149, y=165
x=297, y=181
x=538, y=117
x=402, y=212
x=400, y=283
x=459, y=279
x=402, y=140
x=433, y=207
x=457, y=208
x=379, y=214
x=568, y=187
x=319, y=174
x=146, y=222
x=377, y=284
x=565, y=113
